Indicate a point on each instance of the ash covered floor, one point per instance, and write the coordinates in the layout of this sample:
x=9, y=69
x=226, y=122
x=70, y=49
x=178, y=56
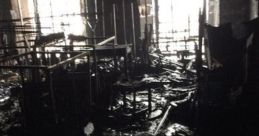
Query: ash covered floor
x=173, y=106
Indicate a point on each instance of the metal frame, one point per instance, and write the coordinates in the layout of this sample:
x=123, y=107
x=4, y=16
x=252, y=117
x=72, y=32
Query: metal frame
x=47, y=69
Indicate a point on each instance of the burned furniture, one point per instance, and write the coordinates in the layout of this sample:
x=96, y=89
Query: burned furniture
x=105, y=49
x=133, y=87
x=52, y=93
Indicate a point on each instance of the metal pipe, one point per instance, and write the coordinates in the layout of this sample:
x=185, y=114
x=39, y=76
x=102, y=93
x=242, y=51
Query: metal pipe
x=124, y=22
x=145, y=60
x=157, y=21
x=162, y=120
x=103, y=18
x=133, y=30
x=106, y=41
x=90, y=80
x=114, y=24
x=86, y=16
x=96, y=9
x=94, y=34
x=95, y=70
x=67, y=61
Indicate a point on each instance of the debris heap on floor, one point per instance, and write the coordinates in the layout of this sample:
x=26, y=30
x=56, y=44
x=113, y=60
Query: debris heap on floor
x=169, y=91
x=10, y=110
x=157, y=99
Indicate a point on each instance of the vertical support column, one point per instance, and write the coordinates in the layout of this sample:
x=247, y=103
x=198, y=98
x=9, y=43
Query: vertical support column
x=52, y=95
x=133, y=30
x=22, y=100
x=96, y=93
x=115, y=34
x=75, y=99
x=95, y=21
x=90, y=79
x=114, y=24
x=95, y=10
x=37, y=19
x=85, y=15
x=198, y=50
x=103, y=18
x=146, y=35
x=146, y=20
x=157, y=22
x=126, y=63
x=124, y=22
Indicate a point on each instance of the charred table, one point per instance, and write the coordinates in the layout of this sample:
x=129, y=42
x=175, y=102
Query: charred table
x=134, y=86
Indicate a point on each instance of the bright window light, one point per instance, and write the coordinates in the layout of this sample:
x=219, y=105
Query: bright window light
x=60, y=16
x=178, y=20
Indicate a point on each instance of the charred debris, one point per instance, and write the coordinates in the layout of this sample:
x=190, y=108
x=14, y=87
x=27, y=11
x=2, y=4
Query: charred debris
x=101, y=70
x=157, y=99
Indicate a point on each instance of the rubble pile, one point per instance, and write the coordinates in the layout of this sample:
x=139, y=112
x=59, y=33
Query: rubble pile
x=171, y=85
x=10, y=110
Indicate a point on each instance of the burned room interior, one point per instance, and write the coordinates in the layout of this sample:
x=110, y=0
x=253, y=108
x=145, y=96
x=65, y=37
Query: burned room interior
x=129, y=68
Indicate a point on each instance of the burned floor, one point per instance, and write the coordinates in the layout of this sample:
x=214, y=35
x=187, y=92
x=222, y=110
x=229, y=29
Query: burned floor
x=159, y=99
